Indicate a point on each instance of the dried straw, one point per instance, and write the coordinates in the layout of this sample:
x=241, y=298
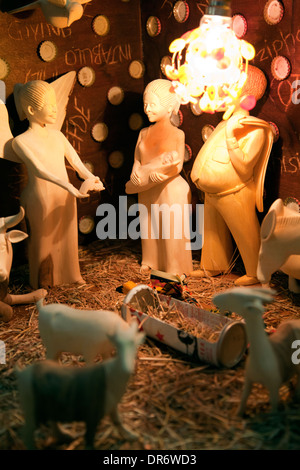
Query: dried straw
x=171, y=402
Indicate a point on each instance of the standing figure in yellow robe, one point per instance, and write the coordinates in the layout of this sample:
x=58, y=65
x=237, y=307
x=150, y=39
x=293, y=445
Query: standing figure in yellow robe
x=230, y=169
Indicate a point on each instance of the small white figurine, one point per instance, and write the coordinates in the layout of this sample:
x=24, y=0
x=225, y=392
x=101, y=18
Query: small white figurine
x=280, y=244
x=48, y=198
x=6, y=250
x=85, y=332
x=59, y=13
x=230, y=169
x=63, y=394
x=270, y=358
x=155, y=177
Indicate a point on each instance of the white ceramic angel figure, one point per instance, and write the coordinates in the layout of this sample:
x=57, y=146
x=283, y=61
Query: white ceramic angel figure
x=48, y=198
x=59, y=13
x=155, y=176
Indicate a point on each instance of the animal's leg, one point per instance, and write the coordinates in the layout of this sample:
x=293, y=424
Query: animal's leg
x=29, y=298
x=274, y=398
x=294, y=285
x=115, y=416
x=52, y=353
x=28, y=433
x=91, y=428
x=6, y=312
x=27, y=404
x=244, y=398
x=297, y=390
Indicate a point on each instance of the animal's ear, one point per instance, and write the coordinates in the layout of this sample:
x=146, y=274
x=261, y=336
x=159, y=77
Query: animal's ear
x=268, y=225
x=15, y=236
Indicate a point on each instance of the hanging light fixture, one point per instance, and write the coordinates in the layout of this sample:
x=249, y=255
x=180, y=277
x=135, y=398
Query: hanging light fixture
x=209, y=63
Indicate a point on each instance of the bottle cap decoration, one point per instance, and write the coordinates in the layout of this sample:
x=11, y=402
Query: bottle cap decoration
x=166, y=60
x=292, y=202
x=86, y=76
x=89, y=166
x=47, y=51
x=177, y=119
x=136, y=69
x=116, y=159
x=273, y=12
x=275, y=130
x=280, y=67
x=101, y=25
x=153, y=26
x=135, y=121
x=195, y=108
x=187, y=153
x=239, y=25
x=206, y=131
x=99, y=131
x=115, y=95
x=181, y=11
x=4, y=69
x=86, y=224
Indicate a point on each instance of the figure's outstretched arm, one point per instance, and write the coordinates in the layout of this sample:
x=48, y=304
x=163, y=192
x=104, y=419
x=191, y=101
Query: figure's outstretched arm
x=91, y=182
x=34, y=167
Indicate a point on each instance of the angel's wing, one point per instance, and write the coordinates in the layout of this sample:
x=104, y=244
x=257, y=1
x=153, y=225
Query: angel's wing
x=29, y=6
x=63, y=87
x=6, y=137
x=58, y=3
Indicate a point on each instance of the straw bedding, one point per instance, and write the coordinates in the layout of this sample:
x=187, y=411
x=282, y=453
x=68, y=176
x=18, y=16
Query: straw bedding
x=171, y=402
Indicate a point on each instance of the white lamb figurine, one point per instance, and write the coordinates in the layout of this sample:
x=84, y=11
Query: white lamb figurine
x=83, y=332
x=270, y=357
x=52, y=393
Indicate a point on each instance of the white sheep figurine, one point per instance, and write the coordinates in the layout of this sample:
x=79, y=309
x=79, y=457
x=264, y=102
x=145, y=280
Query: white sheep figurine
x=270, y=357
x=52, y=393
x=83, y=332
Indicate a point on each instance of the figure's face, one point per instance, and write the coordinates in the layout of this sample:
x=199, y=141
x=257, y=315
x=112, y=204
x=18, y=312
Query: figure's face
x=153, y=108
x=48, y=114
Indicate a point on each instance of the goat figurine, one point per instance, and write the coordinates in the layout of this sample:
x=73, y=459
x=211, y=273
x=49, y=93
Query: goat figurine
x=6, y=250
x=87, y=332
x=270, y=357
x=53, y=393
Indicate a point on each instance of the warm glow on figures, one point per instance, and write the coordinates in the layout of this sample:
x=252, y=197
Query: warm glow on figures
x=209, y=65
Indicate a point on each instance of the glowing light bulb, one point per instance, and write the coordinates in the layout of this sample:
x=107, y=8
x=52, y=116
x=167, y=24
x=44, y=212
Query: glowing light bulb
x=215, y=63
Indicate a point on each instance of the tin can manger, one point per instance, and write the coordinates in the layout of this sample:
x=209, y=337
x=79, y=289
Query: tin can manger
x=224, y=346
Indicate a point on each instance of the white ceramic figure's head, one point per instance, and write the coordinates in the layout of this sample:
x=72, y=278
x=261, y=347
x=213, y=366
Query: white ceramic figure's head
x=160, y=101
x=36, y=101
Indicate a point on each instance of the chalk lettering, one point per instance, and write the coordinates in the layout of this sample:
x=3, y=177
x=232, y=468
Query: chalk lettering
x=77, y=125
x=290, y=164
x=41, y=74
x=18, y=31
x=98, y=55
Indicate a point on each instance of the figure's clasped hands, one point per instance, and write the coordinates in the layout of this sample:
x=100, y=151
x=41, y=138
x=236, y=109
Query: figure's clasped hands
x=135, y=179
x=91, y=184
